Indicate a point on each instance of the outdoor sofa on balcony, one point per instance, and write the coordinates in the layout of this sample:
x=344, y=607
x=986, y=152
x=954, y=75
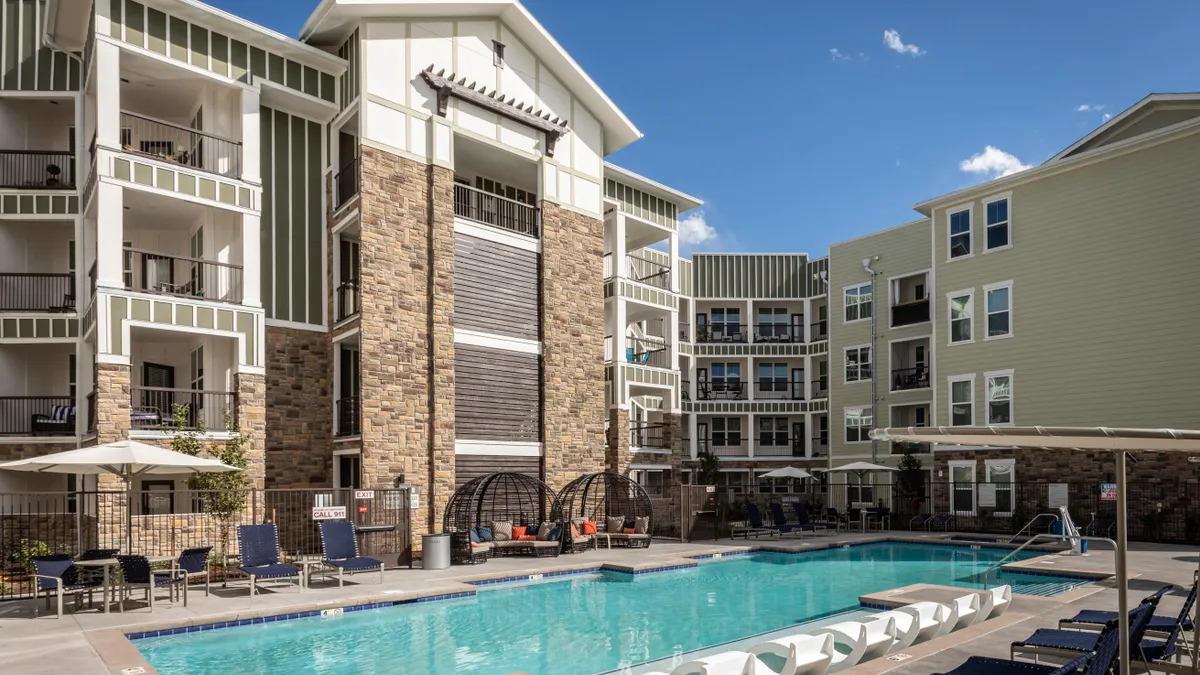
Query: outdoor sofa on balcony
x=61, y=420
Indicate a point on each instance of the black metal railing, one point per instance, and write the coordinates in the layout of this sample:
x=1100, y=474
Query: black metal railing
x=910, y=378
x=91, y=411
x=647, y=436
x=721, y=332
x=776, y=444
x=820, y=387
x=908, y=313
x=779, y=389
x=649, y=272
x=819, y=330
x=347, y=300
x=490, y=209
x=37, y=415
x=177, y=144
x=36, y=292
x=154, y=408
x=164, y=274
x=647, y=353
x=729, y=445
x=349, y=421
x=778, y=332
x=820, y=446
x=685, y=390
x=345, y=183
x=685, y=330
x=37, y=169
x=727, y=390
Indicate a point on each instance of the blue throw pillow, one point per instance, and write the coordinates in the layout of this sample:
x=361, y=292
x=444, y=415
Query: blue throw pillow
x=485, y=534
x=554, y=534
x=474, y=536
x=630, y=524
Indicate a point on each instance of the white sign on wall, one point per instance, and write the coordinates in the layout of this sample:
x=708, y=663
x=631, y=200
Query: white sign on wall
x=1057, y=496
x=364, y=494
x=328, y=512
x=987, y=495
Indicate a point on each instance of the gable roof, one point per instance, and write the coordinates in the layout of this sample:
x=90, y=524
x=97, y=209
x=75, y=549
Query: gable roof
x=329, y=22
x=1113, y=129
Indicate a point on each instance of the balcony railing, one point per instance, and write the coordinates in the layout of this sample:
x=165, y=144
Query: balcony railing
x=721, y=391
x=729, y=445
x=348, y=419
x=154, y=408
x=647, y=436
x=37, y=416
x=772, y=444
x=347, y=300
x=685, y=390
x=91, y=411
x=819, y=330
x=908, y=313
x=21, y=292
x=502, y=212
x=163, y=274
x=779, y=389
x=37, y=169
x=649, y=272
x=685, y=330
x=176, y=144
x=820, y=387
x=910, y=378
x=820, y=446
x=647, y=353
x=778, y=332
x=345, y=184
x=721, y=332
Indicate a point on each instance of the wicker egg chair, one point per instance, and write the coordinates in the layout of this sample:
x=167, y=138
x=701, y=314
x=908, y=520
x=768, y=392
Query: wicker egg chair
x=482, y=514
x=619, y=508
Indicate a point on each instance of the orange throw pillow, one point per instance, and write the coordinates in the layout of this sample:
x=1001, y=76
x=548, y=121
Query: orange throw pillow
x=628, y=530
x=589, y=527
x=518, y=532
x=574, y=531
x=527, y=537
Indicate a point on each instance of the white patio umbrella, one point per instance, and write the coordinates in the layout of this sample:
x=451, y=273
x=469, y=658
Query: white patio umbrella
x=127, y=459
x=1119, y=441
x=787, y=472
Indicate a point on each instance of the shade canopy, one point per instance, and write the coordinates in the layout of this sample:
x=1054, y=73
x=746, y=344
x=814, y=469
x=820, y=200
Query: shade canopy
x=787, y=472
x=860, y=467
x=128, y=459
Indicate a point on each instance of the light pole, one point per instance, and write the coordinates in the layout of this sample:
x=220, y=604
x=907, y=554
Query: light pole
x=874, y=355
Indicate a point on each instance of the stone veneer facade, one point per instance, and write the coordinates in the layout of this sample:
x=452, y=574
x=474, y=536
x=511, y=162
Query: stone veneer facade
x=298, y=394
x=573, y=405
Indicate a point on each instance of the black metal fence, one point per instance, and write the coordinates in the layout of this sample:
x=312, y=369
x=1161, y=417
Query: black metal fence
x=648, y=352
x=164, y=274
x=37, y=416
x=910, y=378
x=646, y=436
x=37, y=169
x=345, y=183
x=347, y=299
x=819, y=330
x=168, y=518
x=779, y=332
x=491, y=209
x=348, y=419
x=649, y=271
x=176, y=144
x=37, y=292
x=910, y=312
x=779, y=388
x=154, y=407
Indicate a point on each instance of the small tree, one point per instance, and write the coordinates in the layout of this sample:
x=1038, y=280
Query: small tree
x=910, y=479
x=222, y=495
x=710, y=468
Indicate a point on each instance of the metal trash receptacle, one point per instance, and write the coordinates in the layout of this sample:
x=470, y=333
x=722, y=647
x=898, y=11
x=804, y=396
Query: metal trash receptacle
x=435, y=551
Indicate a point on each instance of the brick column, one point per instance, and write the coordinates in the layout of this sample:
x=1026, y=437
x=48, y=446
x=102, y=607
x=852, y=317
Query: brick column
x=573, y=405
x=617, y=456
x=673, y=439
x=252, y=421
x=298, y=397
x=441, y=322
x=112, y=402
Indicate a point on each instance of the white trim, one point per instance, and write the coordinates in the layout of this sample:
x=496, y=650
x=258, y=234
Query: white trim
x=155, y=434
x=962, y=463
x=1012, y=473
x=871, y=362
x=985, y=202
x=347, y=451
x=892, y=300
x=343, y=336
x=861, y=318
x=496, y=235
x=280, y=323
x=970, y=293
x=950, y=381
x=512, y=344
x=505, y=448
x=1134, y=110
x=969, y=208
x=987, y=398
x=669, y=194
x=866, y=409
x=345, y=222
x=993, y=287
x=652, y=467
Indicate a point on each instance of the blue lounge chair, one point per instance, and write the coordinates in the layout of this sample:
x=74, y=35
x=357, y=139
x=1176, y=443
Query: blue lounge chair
x=1054, y=641
x=805, y=520
x=57, y=575
x=1094, y=618
x=755, y=517
x=194, y=562
x=341, y=550
x=755, y=526
x=780, y=518
x=259, y=547
x=136, y=573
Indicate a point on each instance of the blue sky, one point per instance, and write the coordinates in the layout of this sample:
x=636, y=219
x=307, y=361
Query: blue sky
x=793, y=146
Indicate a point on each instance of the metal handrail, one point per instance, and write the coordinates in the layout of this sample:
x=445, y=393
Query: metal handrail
x=1057, y=537
x=1031, y=522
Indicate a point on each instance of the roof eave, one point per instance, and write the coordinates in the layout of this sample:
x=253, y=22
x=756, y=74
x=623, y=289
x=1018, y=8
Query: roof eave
x=682, y=199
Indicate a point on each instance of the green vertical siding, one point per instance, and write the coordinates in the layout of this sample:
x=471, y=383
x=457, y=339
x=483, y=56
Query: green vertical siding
x=281, y=191
x=220, y=54
x=135, y=23
x=299, y=238
x=267, y=218
x=199, y=47
x=179, y=39
x=156, y=28
x=750, y=275
x=26, y=64
x=316, y=229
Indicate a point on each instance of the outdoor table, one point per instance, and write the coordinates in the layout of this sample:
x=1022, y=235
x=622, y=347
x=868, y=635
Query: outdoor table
x=103, y=564
x=307, y=567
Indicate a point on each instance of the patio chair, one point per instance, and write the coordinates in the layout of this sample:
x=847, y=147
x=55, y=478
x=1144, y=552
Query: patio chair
x=861, y=641
x=61, y=420
x=755, y=524
x=136, y=573
x=1096, y=619
x=929, y=617
x=881, y=518
x=908, y=628
x=806, y=521
x=964, y=611
x=340, y=548
x=194, y=563
x=800, y=654
x=57, y=575
x=756, y=521
x=1069, y=643
x=994, y=602
x=1100, y=527
x=259, y=546
x=725, y=663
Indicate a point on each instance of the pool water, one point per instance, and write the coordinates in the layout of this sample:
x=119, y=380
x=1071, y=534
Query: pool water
x=585, y=624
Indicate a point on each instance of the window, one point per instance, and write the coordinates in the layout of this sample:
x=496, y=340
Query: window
x=772, y=325
x=497, y=54
x=726, y=325
x=726, y=432
x=773, y=379
x=997, y=224
x=961, y=304
x=960, y=234
x=726, y=378
x=858, y=364
x=773, y=432
x=999, y=397
x=962, y=487
x=1000, y=472
x=998, y=300
x=733, y=481
x=858, y=425
x=962, y=401
x=858, y=302
x=860, y=489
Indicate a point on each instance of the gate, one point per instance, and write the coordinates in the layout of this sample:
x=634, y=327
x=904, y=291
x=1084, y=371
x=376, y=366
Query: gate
x=698, y=512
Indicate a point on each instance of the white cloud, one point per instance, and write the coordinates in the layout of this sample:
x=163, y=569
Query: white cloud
x=695, y=230
x=1090, y=108
x=1107, y=117
x=891, y=38
x=837, y=55
x=993, y=163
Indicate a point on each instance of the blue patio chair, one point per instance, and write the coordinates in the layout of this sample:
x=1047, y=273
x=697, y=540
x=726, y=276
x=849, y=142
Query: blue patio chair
x=341, y=550
x=756, y=521
x=1095, y=619
x=942, y=520
x=780, y=518
x=259, y=550
x=194, y=563
x=57, y=575
x=136, y=573
x=805, y=520
x=1054, y=641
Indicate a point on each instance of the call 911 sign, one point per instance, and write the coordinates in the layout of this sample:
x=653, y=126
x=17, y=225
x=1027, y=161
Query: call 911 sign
x=328, y=512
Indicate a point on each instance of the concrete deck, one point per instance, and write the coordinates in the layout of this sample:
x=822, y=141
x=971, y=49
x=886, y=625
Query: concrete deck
x=93, y=643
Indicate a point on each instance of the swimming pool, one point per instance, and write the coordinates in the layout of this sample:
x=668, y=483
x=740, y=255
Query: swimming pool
x=590, y=623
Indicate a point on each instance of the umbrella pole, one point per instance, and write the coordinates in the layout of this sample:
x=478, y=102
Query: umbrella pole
x=129, y=514
x=1122, y=573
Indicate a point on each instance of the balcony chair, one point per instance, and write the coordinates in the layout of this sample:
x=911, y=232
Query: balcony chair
x=136, y=573
x=193, y=562
x=61, y=420
x=57, y=575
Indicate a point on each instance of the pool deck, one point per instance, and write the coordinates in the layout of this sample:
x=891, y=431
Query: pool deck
x=93, y=643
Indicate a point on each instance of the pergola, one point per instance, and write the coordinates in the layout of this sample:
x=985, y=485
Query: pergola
x=1119, y=441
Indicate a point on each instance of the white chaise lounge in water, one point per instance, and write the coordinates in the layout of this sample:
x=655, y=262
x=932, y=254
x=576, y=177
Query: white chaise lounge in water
x=865, y=641
x=726, y=663
x=908, y=627
x=930, y=617
x=994, y=603
x=963, y=612
x=800, y=654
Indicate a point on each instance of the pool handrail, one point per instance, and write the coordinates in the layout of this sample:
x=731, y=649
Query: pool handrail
x=987, y=574
x=1031, y=522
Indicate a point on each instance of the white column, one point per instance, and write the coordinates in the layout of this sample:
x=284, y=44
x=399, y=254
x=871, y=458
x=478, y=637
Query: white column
x=250, y=140
x=110, y=212
x=618, y=339
x=750, y=379
x=673, y=338
x=108, y=94
x=251, y=261
x=748, y=434
x=618, y=253
x=673, y=247
x=810, y=421
x=692, y=440
x=84, y=354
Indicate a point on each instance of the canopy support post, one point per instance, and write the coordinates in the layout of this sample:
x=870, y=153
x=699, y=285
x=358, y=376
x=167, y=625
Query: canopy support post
x=1122, y=572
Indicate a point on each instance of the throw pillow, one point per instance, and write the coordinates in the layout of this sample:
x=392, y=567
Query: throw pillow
x=527, y=537
x=589, y=526
x=642, y=525
x=518, y=531
x=614, y=525
x=485, y=534
x=575, y=531
x=629, y=523
x=474, y=536
x=555, y=533
x=502, y=531
x=543, y=532
x=628, y=530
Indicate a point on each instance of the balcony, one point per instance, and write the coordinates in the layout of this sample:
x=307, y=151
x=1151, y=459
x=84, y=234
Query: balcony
x=153, y=408
x=820, y=330
x=731, y=445
x=37, y=416
x=685, y=331
x=778, y=390
x=177, y=144
x=32, y=292
x=779, y=332
x=347, y=300
x=647, y=352
x=820, y=387
x=178, y=276
x=345, y=185
x=909, y=313
x=778, y=445
x=820, y=446
x=37, y=169
x=904, y=379
x=649, y=272
x=647, y=436
x=721, y=391
x=721, y=333
x=489, y=209
x=347, y=416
